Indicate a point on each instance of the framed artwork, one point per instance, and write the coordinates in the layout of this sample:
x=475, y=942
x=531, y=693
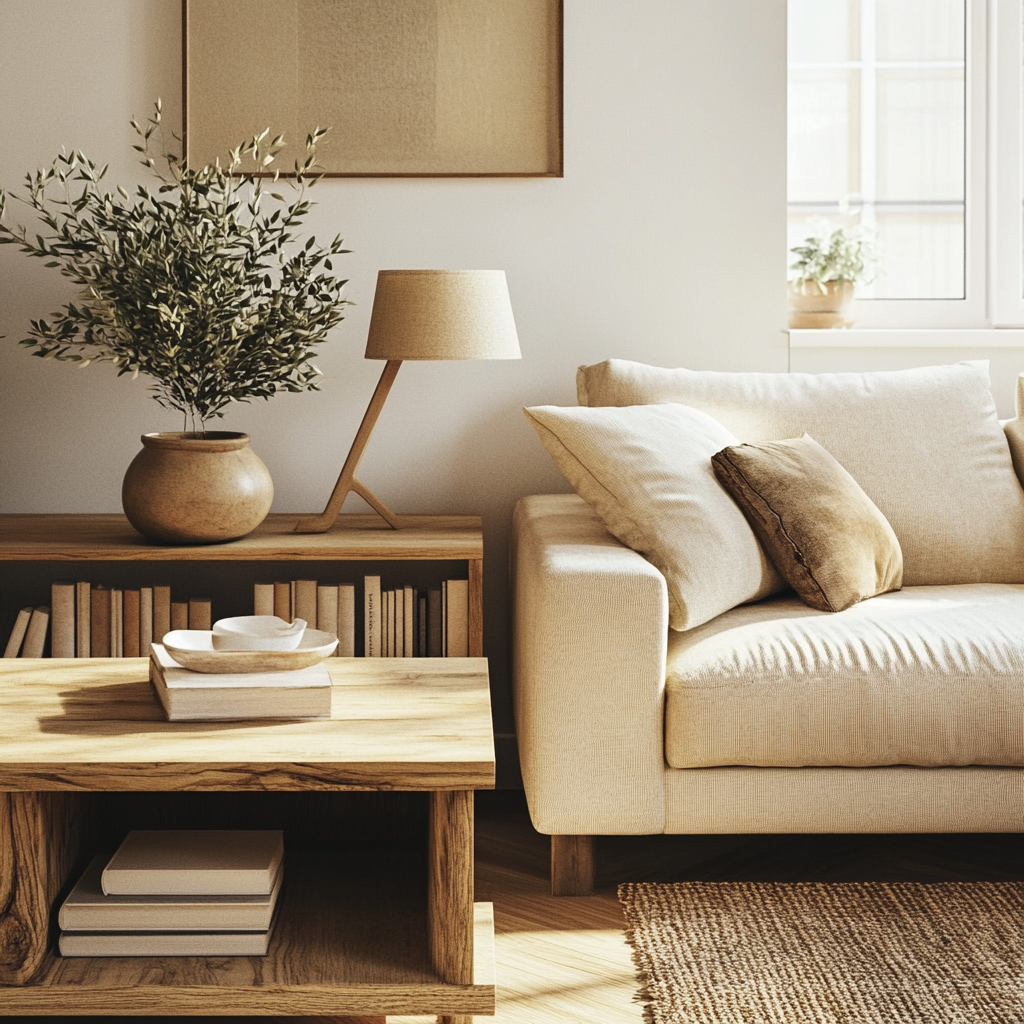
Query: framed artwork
x=407, y=87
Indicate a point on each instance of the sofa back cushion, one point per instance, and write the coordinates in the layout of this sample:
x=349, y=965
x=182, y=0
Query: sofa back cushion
x=646, y=471
x=924, y=444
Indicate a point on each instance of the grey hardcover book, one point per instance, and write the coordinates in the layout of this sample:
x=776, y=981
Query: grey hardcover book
x=195, y=862
x=88, y=909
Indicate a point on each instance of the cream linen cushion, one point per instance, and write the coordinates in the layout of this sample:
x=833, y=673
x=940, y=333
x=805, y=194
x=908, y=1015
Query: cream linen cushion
x=924, y=444
x=646, y=471
x=925, y=676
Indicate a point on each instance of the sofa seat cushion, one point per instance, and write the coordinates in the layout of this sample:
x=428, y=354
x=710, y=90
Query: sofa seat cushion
x=927, y=676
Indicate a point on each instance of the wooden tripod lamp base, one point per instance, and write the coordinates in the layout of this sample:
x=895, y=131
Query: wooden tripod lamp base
x=422, y=314
x=347, y=481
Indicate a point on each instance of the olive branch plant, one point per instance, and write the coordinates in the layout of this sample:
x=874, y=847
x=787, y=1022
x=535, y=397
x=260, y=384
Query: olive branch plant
x=192, y=283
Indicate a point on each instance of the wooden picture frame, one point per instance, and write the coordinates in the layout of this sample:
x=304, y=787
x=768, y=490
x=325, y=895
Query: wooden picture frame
x=409, y=88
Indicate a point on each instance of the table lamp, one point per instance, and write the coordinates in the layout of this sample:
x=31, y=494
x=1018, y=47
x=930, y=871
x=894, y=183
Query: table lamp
x=422, y=314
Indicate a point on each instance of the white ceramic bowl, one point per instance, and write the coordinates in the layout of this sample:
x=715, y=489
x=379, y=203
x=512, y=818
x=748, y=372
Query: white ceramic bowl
x=193, y=649
x=257, y=633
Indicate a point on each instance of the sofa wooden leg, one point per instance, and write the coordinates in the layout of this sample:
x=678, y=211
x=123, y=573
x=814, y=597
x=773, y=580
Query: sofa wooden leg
x=572, y=865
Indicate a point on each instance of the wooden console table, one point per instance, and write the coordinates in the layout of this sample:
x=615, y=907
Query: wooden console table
x=359, y=934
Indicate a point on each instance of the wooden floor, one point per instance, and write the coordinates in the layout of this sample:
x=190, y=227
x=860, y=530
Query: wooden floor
x=565, y=961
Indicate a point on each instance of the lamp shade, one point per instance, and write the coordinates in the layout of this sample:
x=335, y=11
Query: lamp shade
x=442, y=314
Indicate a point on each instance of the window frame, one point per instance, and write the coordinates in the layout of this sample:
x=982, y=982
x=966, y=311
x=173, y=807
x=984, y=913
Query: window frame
x=987, y=245
x=1006, y=166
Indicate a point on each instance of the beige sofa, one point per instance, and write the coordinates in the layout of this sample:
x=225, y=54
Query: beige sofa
x=904, y=713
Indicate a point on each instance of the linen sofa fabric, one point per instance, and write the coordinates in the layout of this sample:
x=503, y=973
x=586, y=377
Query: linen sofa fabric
x=824, y=534
x=646, y=471
x=924, y=444
x=928, y=676
x=590, y=617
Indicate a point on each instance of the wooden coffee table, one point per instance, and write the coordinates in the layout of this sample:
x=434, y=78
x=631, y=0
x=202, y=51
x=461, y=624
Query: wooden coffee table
x=359, y=934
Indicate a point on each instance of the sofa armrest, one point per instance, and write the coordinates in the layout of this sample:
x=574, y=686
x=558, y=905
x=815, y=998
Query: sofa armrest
x=590, y=636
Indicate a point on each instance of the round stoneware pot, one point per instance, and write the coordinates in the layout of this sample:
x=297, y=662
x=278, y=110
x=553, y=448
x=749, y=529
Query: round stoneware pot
x=201, y=488
x=809, y=306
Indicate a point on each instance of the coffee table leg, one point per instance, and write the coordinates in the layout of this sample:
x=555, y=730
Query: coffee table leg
x=450, y=890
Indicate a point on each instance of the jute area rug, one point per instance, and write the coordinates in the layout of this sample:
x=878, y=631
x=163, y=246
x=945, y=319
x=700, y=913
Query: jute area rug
x=828, y=953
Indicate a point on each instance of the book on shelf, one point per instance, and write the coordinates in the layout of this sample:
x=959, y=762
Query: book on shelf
x=200, y=613
x=327, y=611
x=132, y=615
x=346, y=620
x=17, y=636
x=35, y=635
x=372, y=631
x=283, y=601
x=164, y=943
x=100, y=621
x=88, y=908
x=435, y=619
x=226, y=697
x=263, y=599
x=457, y=619
x=304, y=606
x=195, y=862
x=62, y=619
x=161, y=612
x=145, y=620
x=83, y=619
x=116, y=622
x=179, y=615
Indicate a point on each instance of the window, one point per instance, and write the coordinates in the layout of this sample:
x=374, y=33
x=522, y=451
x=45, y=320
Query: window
x=905, y=117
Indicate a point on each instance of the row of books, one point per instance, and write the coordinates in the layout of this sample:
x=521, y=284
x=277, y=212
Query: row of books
x=177, y=893
x=88, y=620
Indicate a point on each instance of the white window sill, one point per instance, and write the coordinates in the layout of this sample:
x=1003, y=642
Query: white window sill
x=871, y=337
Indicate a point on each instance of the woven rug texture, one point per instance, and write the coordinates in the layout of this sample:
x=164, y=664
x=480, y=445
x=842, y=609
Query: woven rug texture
x=828, y=953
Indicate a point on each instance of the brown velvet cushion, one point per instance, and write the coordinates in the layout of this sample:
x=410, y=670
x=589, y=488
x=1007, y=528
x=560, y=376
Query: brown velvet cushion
x=824, y=534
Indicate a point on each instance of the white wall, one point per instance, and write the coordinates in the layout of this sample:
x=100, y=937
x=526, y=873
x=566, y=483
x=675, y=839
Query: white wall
x=664, y=242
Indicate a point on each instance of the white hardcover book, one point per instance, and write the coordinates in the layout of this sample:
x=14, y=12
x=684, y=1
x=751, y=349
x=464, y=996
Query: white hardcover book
x=231, y=697
x=145, y=620
x=17, y=636
x=62, y=620
x=457, y=626
x=164, y=943
x=87, y=908
x=327, y=610
x=304, y=606
x=263, y=599
x=371, y=617
x=346, y=621
x=35, y=635
x=195, y=862
x=83, y=619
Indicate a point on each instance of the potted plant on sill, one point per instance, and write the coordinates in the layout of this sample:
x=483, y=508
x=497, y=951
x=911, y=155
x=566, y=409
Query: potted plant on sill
x=829, y=266
x=198, y=287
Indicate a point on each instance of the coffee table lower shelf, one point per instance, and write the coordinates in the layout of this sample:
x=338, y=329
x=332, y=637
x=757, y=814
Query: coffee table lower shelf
x=351, y=939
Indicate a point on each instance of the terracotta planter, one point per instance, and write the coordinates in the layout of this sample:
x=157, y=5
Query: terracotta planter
x=809, y=306
x=202, y=488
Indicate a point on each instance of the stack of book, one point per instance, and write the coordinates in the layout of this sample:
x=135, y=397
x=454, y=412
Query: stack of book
x=88, y=620
x=177, y=893
x=189, y=696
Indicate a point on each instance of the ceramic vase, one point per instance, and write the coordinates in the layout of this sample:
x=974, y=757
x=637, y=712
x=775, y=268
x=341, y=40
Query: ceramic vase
x=196, y=488
x=809, y=306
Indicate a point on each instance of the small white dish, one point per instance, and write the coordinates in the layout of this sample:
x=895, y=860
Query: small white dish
x=193, y=649
x=257, y=633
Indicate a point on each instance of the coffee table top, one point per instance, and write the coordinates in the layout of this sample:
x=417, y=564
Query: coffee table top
x=396, y=723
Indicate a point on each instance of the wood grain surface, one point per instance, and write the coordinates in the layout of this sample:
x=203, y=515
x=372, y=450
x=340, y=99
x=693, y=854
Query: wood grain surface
x=450, y=885
x=351, y=939
x=79, y=724
x=77, y=538
x=39, y=842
